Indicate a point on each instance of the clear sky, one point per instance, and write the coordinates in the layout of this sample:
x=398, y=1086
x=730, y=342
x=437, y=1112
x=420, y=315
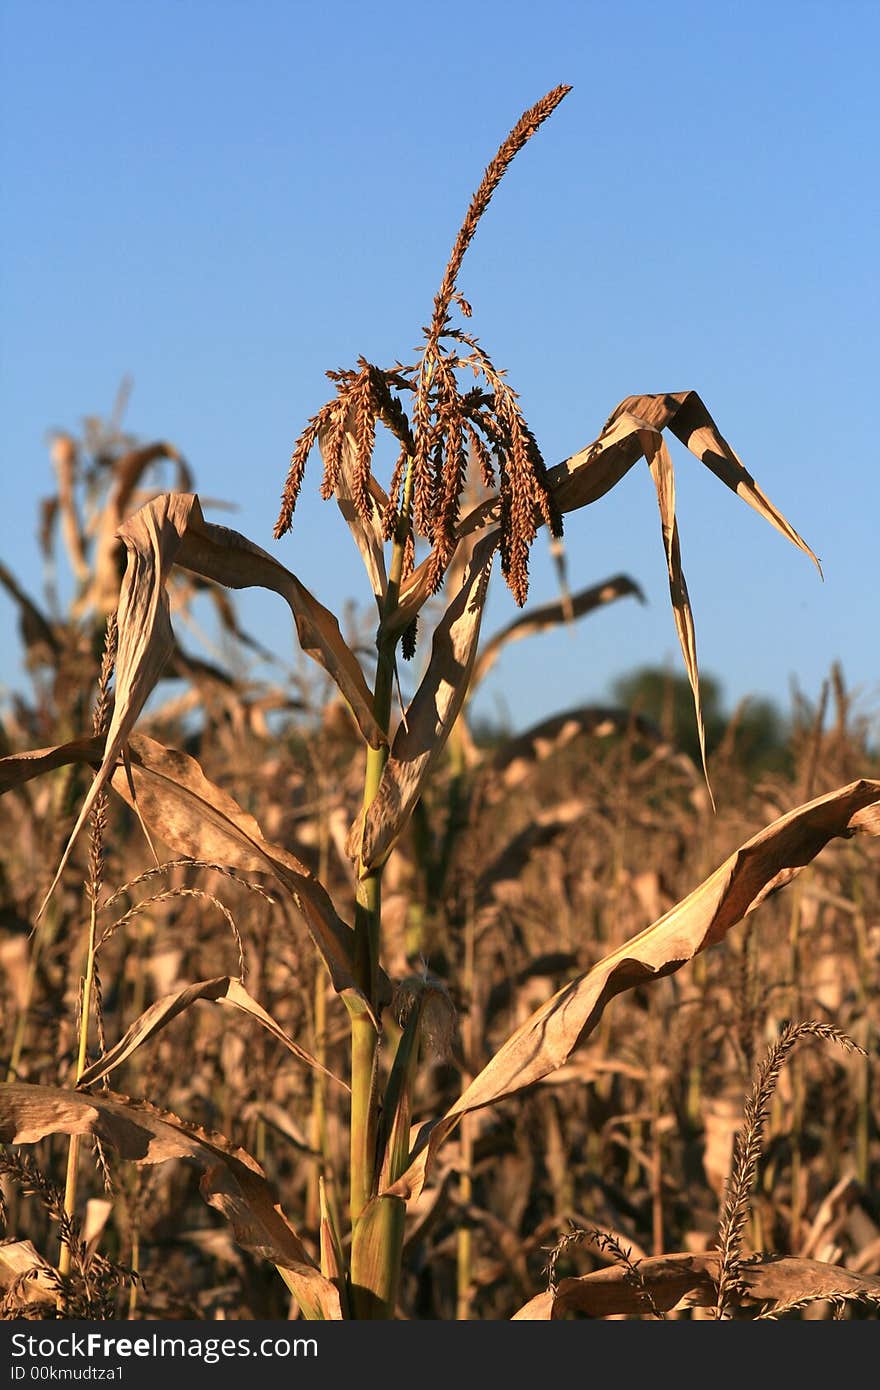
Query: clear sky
x=223, y=198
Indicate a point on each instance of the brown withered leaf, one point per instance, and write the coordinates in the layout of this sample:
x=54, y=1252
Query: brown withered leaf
x=145, y=640
x=169, y=530
x=217, y=553
x=684, y=413
x=98, y=1212
x=663, y=474
x=551, y=615
x=232, y=1182
x=18, y=768
x=545, y=1041
x=102, y=593
x=224, y=989
x=199, y=819
x=422, y=734
x=692, y=1280
x=332, y=1258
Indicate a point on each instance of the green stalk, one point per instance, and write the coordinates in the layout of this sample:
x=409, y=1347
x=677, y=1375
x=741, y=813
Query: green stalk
x=381, y=1273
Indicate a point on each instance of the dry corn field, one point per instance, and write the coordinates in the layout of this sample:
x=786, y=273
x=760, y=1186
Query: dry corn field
x=319, y=1001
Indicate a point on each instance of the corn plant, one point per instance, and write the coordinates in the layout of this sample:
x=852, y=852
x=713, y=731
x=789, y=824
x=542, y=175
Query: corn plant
x=451, y=414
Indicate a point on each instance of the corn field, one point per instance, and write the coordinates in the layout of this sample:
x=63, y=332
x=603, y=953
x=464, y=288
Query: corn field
x=562, y=1024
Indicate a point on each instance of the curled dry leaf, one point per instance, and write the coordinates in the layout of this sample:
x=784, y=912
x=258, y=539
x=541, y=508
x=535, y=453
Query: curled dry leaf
x=199, y=819
x=663, y=474
x=551, y=615
x=692, y=1280
x=18, y=768
x=102, y=591
x=684, y=413
x=169, y=530
x=422, y=734
x=546, y=1040
x=224, y=989
x=217, y=553
x=232, y=1182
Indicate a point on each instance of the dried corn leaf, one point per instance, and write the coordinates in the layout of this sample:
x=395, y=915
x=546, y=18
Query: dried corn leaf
x=217, y=553
x=145, y=639
x=18, y=768
x=767, y=1280
x=332, y=1258
x=684, y=413
x=545, y=1041
x=171, y=530
x=232, y=1181
x=201, y=820
x=429, y=719
x=102, y=593
x=663, y=474
x=551, y=615
x=224, y=989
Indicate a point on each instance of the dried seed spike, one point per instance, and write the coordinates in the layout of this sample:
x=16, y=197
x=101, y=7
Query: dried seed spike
x=366, y=409
x=332, y=450
x=431, y=358
x=522, y=132
x=301, y=450
x=390, y=514
x=750, y=1143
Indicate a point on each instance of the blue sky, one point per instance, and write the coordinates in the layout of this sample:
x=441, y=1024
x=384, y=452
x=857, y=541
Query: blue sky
x=224, y=199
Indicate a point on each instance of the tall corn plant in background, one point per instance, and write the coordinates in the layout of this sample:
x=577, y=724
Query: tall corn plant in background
x=450, y=412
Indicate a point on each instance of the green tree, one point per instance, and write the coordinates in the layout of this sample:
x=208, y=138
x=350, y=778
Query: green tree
x=756, y=727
